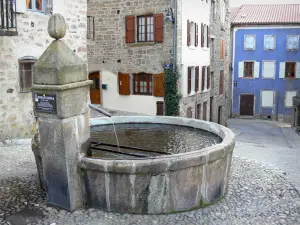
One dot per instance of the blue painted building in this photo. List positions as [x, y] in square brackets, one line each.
[265, 60]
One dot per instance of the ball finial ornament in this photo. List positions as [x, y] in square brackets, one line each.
[57, 26]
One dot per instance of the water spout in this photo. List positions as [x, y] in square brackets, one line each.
[99, 110]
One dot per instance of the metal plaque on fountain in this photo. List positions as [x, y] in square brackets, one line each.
[45, 103]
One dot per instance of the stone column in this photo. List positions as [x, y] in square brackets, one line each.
[61, 96]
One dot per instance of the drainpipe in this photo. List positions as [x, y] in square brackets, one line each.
[175, 36]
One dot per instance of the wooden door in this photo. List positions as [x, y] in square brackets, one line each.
[220, 115]
[95, 90]
[204, 111]
[246, 105]
[160, 108]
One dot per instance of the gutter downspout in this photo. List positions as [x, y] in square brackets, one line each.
[175, 37]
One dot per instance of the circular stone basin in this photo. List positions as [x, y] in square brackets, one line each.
[178, 164]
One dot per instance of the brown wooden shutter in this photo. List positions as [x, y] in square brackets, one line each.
[202, 35]
[189, 79]
[124, 83]
[196, 35]
[159, 28]
[208, 77]
[159, 80]
[197, 79]
[159, 108]
[203, 78]
[208, 36]
[130, 29]
[188, 33]
[221, 82]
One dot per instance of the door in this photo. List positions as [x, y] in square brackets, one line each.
[198, 114]
[95, 88]
[211, 109]
[220, 115]
[204, 111]
[159, 108]
[246, 105]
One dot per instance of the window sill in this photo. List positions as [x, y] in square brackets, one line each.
[205, 48]
[270, 50]
[289, 78]
[140, 44]
[35, 11]
[292, 50]
[192, 47]
[249, 78]
[143, 94]
[268, 78]
[249, 49]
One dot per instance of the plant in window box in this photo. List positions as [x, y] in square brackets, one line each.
[172, 96]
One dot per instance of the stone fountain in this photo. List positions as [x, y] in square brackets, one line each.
[78, 171]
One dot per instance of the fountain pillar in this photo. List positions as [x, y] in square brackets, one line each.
[61, 96]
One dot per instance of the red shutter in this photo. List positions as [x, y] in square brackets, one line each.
[196, 34]
[130, 29]
[203, 78]
[202, 35]
[208, 36]
[189, 79]
[197, 79]
[188, 34]
[159, 28]
[159, 80]
[208, 77]
[124, 84]
[221, 82]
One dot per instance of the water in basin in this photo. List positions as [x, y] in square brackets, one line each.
[154, 137]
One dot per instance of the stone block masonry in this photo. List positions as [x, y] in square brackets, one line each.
[16, 115]
[108, 51]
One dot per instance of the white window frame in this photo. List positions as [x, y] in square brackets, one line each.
[192, 34]
[33, 7]
[269, 49]
[261, 98]
[285, 98]
[263, 73]
[245, 41]
[294, 49]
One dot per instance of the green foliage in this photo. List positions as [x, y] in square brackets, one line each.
[172, 96]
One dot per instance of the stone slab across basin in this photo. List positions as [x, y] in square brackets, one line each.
[164, 184]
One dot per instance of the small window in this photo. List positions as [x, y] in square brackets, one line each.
[192, 30]
[212, 47]
[290, 69]
[223, 12]
[205, 35]
[289, 98]
[35, 5]
[213, 9]
[143, 84]
[145, 28]
[249, 42]
[248, 69]
[90, 28]
[292, 43]
[26, 67]
[270, 42]
[221, 83]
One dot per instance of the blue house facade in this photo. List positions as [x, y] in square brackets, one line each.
[266, 71]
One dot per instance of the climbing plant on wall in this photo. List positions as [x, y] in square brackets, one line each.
[172, 96]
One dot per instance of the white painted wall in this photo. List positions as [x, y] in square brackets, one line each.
[131, 103]
[196, 11]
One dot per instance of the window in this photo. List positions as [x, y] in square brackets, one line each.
[289, 98]
[212, 48]
[35, 5]
[292, 43]
[267, 98]
[270, 42]
[142, 84]
[26, 67]
[249, 42]
[213, 9]
[204, 111]
[268, 69]
[222, 50]
[149, 28]
[221, 82]
[145, 29]
[208, 77]
[248, 69]
[198, 114]
[222, 13]
[290, 69]
[90, 28]
[192, 34]
[205, 35]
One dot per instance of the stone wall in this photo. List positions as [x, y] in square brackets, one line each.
[219, 32]
[16, 109]
[109, 51]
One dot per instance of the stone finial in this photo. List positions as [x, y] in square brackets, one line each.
[57, 26]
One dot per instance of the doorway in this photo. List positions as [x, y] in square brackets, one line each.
[247, 105]
[95, 91]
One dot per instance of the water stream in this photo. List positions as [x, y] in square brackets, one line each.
[114, 127]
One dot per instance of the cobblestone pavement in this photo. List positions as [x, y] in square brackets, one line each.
[257, 194]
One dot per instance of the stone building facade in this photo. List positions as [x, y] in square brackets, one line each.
[111, 53]
[16, 109]
[220, 41]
